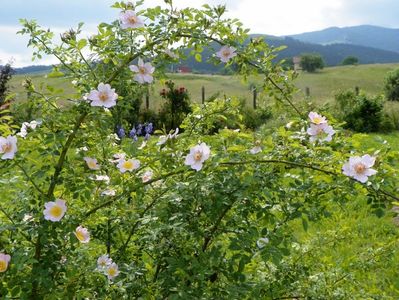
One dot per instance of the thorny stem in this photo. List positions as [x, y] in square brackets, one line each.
[15, 225]
[30, 179]
[125, 194]
[137, 224]
[50, 195]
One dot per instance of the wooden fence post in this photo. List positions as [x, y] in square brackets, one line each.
[203, 94]
[307, 90]
[357, 90]
[255, 95]
[147, 100]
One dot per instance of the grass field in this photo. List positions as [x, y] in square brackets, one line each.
[323, 85]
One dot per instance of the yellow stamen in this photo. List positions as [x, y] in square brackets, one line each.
[128, 165]
[197, 156]
[142, 70]
[226, 53]
[56, 211]
[7, 147]
[111, 272]
[317, 120]
[360, 168]
[92, 164]
[3, 265]
[103, 96]
[79, 234]
[132, 20]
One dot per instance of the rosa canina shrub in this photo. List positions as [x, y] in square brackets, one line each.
[186, 216]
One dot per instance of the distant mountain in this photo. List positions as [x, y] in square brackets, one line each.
[333, 54]
[363, 35]
[33, 69]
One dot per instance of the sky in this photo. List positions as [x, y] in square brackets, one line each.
[277, 17]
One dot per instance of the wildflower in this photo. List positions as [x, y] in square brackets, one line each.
[139, 129]
[54, 211]
[144, 72]
[120, 132]
[147, 176]
[148, 128]
[92, 163]
[171, 54]
[82, 234]
[317, 119]
[4, 261]
[8, 147]
[147, 136]
[226, 53]
[129, 19]
[109, 192]
[197, 156]
[104, 96]
[321, 132]
[104, 178]
[128, 165]
[25, 125]
[164, 138]
[103, 261]
[112, 271]
[27, 218]
[257, 147]
[359, 168]
[132, 133]
[262, 242]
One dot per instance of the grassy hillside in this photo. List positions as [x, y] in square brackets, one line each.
[323, 85]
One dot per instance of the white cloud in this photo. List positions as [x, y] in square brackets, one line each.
[280, 17]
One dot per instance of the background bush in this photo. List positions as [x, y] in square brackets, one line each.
[391, 85]
[362, 113]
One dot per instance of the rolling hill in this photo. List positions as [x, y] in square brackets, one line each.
[363, 35]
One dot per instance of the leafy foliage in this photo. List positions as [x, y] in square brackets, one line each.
[362, 113]
[310, 62]
[350, 60]
[391, 85]
[176, 106]
[179, 233]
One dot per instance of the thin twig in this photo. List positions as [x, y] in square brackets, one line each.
[30, 179]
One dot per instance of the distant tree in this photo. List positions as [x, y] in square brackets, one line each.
[391, 85]
[288, 63]
[350, 60]
[6, 73]
[310, 62]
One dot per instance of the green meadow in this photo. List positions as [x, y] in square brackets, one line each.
[322, 85]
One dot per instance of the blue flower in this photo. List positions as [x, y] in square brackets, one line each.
[147, 136]
[149, 128]
[120, 132]
[139, 129]
[132, 133]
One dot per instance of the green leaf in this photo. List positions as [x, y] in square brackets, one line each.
[198, 57]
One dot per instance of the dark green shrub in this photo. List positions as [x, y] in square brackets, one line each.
[350, 60]
[362, 113]
[310, 62]
[6, 73]
[391, 85]
[254, 118]
[176, 105]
